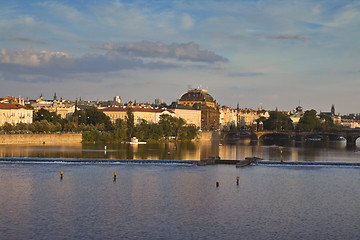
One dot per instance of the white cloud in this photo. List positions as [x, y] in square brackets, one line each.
[28, 57]
[186, 21]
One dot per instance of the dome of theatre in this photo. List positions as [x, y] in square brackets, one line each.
[197, 96]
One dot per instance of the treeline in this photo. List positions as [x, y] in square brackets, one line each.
[168, 128]
[97, 127]
[309, 122]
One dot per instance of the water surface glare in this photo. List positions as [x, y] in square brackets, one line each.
[164, 201]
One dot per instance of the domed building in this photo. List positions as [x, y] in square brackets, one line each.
[202, 100]
[197, 96]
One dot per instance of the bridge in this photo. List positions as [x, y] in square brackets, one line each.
[351, 135]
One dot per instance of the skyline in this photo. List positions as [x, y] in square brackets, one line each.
[274, 53]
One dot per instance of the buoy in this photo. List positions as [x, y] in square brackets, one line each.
[61, 175]
[114, 176]
[237, 180]
[217, 184]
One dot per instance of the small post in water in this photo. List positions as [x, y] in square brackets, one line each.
[61, 175]
[114, 176]
[237, 180]
[217, 184]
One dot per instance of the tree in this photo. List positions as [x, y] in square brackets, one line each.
[188, 132]
[130, 123]
[50, 117]
[165, 124]
[172, 126]
[7, 127]
[96, 118]
[120, 130]
[278, 121]
[327, 123]
[309, 122]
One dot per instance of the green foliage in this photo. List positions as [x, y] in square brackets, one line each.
[130, 125]
[172, 126]
[120, 131]
[50, 117]
[91, 136]
[188, 132]
[97, 118]
[277, 121]
[309, 122]
[7, 127]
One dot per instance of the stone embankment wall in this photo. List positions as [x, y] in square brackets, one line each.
[55, 138]
[209, 136]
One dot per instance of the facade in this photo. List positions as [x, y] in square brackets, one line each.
[200, 99]
[298, 114]
[150, 115]
[350, 123]
[228, 117]
[189, 114]
[247, 116]
[210, 118]
[64, 109]
[14, 114]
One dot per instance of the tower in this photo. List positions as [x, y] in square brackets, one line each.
[332, 110]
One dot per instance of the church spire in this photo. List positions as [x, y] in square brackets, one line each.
[333, 110]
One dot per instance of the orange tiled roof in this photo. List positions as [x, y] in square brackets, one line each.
[10, 106]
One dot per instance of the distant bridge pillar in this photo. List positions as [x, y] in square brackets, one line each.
[299, 138]
[350, 141]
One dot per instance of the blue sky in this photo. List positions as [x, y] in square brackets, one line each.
[274, 53]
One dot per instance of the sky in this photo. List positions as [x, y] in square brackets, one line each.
[277, 54]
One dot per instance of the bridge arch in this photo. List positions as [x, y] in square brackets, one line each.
[351, 135]
[275, 136]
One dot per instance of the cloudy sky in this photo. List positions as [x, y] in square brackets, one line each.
[274, 53]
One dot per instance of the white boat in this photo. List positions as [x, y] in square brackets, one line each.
[134, 140]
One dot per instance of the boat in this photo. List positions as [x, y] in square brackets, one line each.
[134, 140]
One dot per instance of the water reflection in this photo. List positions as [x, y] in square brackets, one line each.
[274, 151]
[178, 202]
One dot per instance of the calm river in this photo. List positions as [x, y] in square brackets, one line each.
[178, 200]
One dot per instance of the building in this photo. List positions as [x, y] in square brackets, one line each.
[189, 114]
[298, 114]
[65, 109]
[228, 117]
[150, 115]
[14, 114]
[201, 100]
[350, 123]
[336, 118]
[247, 116]
[197, 96]
[15, 100]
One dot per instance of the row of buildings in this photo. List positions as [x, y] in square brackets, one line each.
[196, 106]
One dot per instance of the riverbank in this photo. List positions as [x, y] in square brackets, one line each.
[42, 138]
[70, 138]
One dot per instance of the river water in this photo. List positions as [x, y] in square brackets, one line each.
[165, 200]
